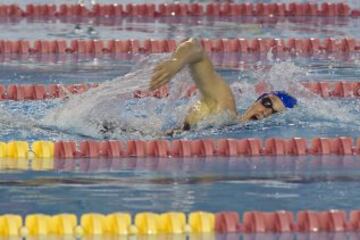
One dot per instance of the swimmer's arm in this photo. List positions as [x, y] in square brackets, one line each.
[188, 52]
[211, 85]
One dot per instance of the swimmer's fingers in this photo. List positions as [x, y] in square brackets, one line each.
[154, 80]
[164, 72]
[158, 82]
[157, 74]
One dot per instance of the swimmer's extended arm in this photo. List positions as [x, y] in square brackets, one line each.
[188, 52]
[214, 90]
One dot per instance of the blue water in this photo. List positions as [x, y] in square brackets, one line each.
[135, 185]
[179, 27]
[302, 122]
[67, 69]
[160, 184]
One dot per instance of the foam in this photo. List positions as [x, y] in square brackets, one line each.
[151, 117]
[112, 102]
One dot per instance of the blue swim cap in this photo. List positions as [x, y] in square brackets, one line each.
[288, 100]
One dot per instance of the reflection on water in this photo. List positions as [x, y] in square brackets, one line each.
[245, 165]
[179, 184]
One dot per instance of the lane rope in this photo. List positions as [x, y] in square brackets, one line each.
[252, 147]
[178, 222]
[22, 92]
[306, 46]
[182, 9]
[189, 21]
[150, 223]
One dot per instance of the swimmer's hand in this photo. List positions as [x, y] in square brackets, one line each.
[163, 73]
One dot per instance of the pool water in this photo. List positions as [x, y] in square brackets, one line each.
[160, 185]
[187, 184]
[179, 27]
[303, 122]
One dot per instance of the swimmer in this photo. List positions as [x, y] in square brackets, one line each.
[216, 95]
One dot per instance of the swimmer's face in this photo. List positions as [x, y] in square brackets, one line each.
[264, 107]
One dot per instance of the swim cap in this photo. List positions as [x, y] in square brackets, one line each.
[288, 100]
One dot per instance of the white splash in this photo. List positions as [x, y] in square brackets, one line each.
[111, 103]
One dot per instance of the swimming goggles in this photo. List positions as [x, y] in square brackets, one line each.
[267, 103]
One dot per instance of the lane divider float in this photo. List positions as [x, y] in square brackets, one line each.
[334, 89]
[181, 9]
[22, 92]
[189, 21]
[300, 164]
[150, 223]
[306, 46]
[179, 148]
